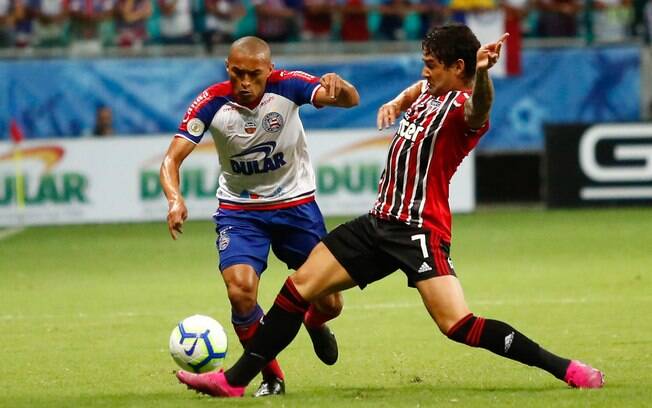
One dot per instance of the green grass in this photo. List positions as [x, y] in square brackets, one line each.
[86, 311]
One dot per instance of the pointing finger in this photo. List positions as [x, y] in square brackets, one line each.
[502, 38]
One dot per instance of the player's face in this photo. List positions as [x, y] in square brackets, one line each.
[248, 75]
[441, 79]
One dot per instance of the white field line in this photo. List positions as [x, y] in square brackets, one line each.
[373, 306]
[10, 232]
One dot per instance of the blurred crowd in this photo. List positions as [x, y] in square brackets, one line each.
[93, 24]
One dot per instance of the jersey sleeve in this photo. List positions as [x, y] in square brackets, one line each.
[298, 86]
[201, 111]
[458, 116]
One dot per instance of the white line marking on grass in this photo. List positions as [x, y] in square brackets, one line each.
[10, 232]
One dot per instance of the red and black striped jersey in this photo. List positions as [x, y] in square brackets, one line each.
[430, 143]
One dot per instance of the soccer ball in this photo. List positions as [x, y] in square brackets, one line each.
[198, 344]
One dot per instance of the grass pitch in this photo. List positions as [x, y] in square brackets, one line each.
[86, 311]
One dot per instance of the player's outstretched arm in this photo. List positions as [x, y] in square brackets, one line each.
[478, 106]
[169, 175]
[335, 91]
[388, 113]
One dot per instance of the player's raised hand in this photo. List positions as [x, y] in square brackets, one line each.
[488, 54]
[177, 214]
[387, 115]
[332, 83]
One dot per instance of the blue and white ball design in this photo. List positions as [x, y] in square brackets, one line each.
[198, 344]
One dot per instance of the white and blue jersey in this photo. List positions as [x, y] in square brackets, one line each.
[267, 184]
[262, 150]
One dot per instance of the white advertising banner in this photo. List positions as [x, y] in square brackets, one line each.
[70, 181]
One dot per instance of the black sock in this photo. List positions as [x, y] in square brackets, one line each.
[277, 329]
[504, 340]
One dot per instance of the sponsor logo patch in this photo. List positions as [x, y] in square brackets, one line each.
[195, 104]
[196, 127]
[257, 159]
[424, 268]
[250, 127]
[297, 74]
[508, 341]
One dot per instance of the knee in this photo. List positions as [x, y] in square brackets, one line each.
[242, 296]
[300, 278]
[447, 324]
[304, 285]
[331, 304]
[463, 330]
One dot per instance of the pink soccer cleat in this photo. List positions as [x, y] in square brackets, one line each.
[580, 375]
[213, 383]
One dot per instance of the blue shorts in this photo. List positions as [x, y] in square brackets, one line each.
[245, 236]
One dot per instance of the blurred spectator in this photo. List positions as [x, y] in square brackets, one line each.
[354, 24]
[86, 21]
[222, 17]
[176, 21]
[103, 121]
[131, 22]
[7, 11]
[392, 15]
[318, 16]
[611, 19]
[23, 27]
[51, 22]
[431, 13]
[557, 18]
[277, 20]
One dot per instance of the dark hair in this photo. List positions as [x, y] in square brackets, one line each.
[451, 42]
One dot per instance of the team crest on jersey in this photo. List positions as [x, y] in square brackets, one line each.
[273, 122]
[224, 239]
[434, 103]
[250, 127]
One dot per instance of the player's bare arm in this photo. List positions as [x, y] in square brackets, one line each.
[335, 91]
[476, 108]
[169, 175]
[388, 113]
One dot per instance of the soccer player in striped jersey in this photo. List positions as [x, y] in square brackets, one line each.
[409, 226]
[267, 185]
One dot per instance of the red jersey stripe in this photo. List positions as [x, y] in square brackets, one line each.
[270, 206]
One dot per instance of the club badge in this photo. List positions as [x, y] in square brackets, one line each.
[223, 240]
[273, 122]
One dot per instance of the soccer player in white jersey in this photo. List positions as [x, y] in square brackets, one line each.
[267, 186]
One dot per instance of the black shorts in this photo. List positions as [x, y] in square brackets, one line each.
[370, 249]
